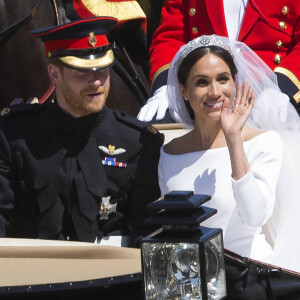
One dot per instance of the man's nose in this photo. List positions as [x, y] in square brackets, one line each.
[95, 78]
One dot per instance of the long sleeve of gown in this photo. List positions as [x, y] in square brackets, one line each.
[255, 192]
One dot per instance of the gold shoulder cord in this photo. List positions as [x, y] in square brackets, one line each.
[124, 10]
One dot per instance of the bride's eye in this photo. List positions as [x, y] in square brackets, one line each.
[223, 79]
[201, 82]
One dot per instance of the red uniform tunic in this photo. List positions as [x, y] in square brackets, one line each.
[270, 28]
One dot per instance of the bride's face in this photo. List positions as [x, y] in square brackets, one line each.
[208, 83]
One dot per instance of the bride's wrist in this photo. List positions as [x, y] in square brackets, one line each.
[233, 139]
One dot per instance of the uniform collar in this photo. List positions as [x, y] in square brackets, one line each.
[81, 125]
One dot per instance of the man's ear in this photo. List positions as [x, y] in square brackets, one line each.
[54, 73]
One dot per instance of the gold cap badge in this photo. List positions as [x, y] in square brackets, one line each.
[92, 39]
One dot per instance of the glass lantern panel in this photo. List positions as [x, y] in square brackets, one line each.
[171, 271]
[215, 268]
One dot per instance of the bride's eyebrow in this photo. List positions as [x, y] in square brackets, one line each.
[224, 73]
[205, 76]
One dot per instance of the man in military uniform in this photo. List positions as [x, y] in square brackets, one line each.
[270, 29]
[73, 169]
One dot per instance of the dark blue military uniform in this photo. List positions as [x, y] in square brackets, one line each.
[75, 178]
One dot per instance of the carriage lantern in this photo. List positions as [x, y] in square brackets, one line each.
[183, 260]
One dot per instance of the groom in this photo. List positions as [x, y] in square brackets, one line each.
[73, 169]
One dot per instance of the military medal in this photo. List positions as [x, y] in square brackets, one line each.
[106, 208]
[111, 161]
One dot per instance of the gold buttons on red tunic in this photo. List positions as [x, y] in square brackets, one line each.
[279, 44]
[192, 11]
[195, 30]
[282, 25]
[277, 59]
[285, 10]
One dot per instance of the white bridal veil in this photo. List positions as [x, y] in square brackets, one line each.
[272, 111]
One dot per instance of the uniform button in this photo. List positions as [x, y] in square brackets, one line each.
[282, 25]
[285, 10]
[152, 129]
[195, 30]
[277, 59]
[5, 111]
[192, 11]
[279, 44]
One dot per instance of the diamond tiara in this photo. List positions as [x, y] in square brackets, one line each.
[202, 41]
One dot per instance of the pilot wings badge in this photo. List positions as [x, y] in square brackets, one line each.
[111, 150]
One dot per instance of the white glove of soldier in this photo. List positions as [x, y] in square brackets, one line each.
[157, 104]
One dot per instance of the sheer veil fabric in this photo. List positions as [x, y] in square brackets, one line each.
[272, 111]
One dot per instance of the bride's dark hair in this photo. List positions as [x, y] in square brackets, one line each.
[195, 55]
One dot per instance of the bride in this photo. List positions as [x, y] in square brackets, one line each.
[241, 151]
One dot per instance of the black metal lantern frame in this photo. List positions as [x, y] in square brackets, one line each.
[183, 260]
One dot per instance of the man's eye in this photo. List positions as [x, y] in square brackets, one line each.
[79, 72]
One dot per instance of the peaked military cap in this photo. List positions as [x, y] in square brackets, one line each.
[81, 44]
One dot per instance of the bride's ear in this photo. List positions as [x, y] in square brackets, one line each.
[182, 90]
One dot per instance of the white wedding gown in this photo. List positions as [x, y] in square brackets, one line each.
[244, 205]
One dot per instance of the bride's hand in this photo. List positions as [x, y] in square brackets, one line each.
[233, 122]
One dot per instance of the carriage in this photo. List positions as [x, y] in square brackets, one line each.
[44, 269]
[60, 270]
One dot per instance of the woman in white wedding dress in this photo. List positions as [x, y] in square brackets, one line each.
[238, 148]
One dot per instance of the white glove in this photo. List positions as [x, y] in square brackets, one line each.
[158, 104]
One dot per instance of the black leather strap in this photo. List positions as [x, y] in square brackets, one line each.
[128, 66]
